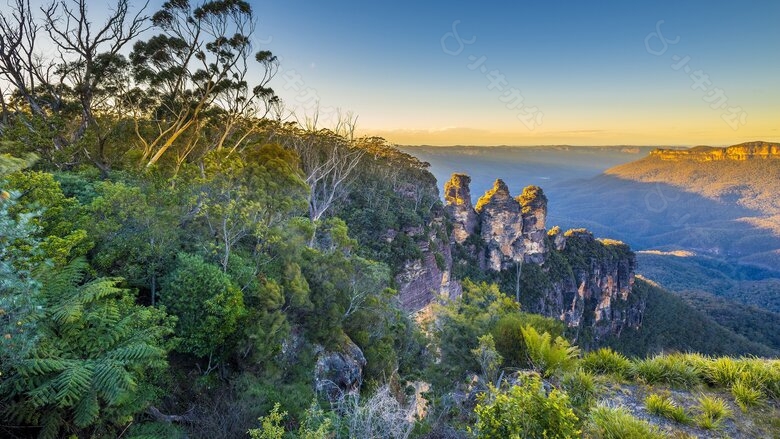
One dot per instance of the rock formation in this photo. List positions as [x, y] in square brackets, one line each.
[340, 372]
[457, 198]
[501, 227]
[533, 206]
[583, 281]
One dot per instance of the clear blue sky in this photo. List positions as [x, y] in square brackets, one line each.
[584, 66]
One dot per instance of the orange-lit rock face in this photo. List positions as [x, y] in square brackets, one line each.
[457, 198]
[741, 152]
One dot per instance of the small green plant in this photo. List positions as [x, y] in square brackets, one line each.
[270, 425]
[712, 412]
[606, 361]
[662, 405]
[745, 395]
[547, 356]
[618, 423]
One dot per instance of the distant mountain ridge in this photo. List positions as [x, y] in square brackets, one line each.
[741, 152]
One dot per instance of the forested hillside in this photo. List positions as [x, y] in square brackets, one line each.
[177, 259]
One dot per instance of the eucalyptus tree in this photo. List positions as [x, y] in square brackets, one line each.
[194, 79]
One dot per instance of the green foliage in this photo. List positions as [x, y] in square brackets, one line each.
[606, 361]
[316, 423]
[662, 405]
[208, 305]
[461, 322]
[133, 227]
[547, 356]
[723, 371]
[618, 423]
[246, 195]
[488, 358]
[60, 238]
[525, 410]
[745, 395]
[90, 365]
[272, 427]
[18, 299]
[509, 336]
[712, 412]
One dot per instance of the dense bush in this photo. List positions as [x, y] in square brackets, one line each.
[525, 410]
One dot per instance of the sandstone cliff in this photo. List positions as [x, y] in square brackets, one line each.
[424, 280]
[741, 152]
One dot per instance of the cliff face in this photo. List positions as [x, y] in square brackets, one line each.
[572, 276]
[601, 296]
[741, 152]
[423, 281]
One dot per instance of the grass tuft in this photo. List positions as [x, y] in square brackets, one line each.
[606, 361]
[618, 423]
[663, 369]
[745, 395]
[713, 411]
[662, 405]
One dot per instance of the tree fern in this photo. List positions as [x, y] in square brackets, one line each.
[95, 346]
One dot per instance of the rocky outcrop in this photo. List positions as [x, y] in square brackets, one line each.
[572, 276]
[501, 226]
[603, 273]
[457, 199]
[533, 205]
[741, 152]
[339, 372]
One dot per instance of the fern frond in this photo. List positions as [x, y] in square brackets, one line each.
[86, 411]
[73, 383]
[41, 366]
[50, 424]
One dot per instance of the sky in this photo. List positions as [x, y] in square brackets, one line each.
[522, 73]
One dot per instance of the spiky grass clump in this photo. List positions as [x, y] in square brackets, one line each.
[712, 412]
[582, 388]
[606, 361]
[723, 371]
[662, 405]
[618, 423]
[763, 375]
[745, 395]
[664, 369]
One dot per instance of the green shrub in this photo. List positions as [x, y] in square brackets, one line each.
[525, 410]
[666, 370]
[745, 395]
[618, 423]
[662, 405]
[508, 334]
[271, 425]
[606, 361]
[547, 356]
[713, 411]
